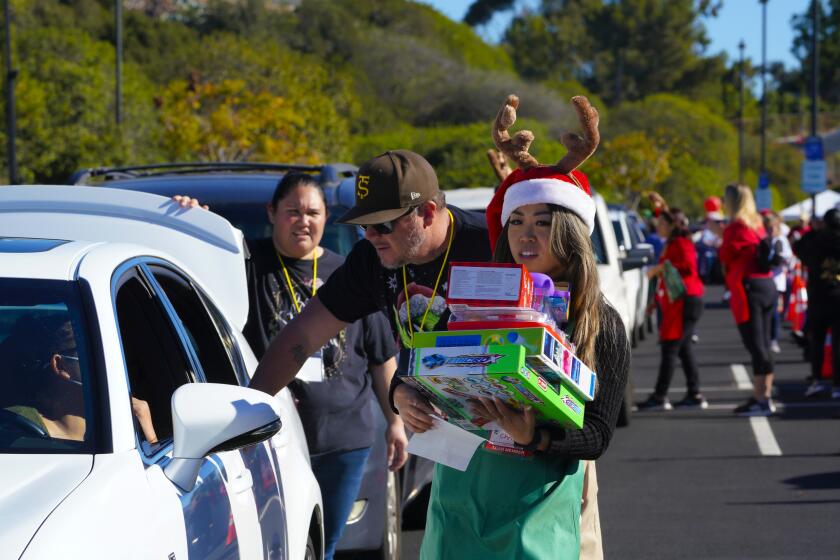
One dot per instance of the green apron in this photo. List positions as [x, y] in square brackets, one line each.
[505, 507]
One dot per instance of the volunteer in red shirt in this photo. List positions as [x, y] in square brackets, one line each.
[679, 317]
[753, 293]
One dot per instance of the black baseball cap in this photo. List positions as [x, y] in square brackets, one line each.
[389, 184]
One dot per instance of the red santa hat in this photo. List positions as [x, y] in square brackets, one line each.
[538, 185]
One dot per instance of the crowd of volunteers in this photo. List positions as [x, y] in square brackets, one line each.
[361, 315]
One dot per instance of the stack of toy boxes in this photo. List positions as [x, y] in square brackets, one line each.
[498, 345]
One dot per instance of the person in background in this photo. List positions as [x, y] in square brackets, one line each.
[773, 226]
[753, 293]
[680, 317]
[819, 250]
[284, 274]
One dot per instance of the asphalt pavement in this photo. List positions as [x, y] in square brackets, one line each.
[705, 484]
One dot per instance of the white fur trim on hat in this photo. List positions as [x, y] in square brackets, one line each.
[550, 191]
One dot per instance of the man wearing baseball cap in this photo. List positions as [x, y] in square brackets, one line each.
[400, 268]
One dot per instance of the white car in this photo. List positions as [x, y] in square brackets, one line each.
[126, 429]
[632, 249]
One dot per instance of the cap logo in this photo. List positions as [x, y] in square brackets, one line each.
[362, 189]
[415, 195]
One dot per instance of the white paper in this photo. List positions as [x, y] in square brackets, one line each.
[312, 371]
[446, 444]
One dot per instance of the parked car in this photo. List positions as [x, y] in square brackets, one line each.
[126, 426]
[239, 193]
[631, 244]
[611, 264]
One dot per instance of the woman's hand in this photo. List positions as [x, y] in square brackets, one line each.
[185, 201]
[414, 409]
[518, 425]
[655, 270]
[397, 444]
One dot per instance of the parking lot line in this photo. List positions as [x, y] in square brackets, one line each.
[767, 443]
[742, 380]
[706, 389]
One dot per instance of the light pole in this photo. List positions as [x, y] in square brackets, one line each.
[815, 26]
[119, 48]
[741, 47]
[11, 75]
[763, 87]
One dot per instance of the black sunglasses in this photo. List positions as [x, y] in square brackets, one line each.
[387, 228]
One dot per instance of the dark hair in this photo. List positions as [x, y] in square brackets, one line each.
[291, 181]
[832, 220]
[678, 219]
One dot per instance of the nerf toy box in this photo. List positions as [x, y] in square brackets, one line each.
[545, 353]
[489, 284]
[451, 377]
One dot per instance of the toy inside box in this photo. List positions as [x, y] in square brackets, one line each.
[545, 353]
[453, 376]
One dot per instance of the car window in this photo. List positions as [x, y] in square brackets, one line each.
[214, 357]
[619, 233]
[598, 244]
[155, 361]
[45, 369]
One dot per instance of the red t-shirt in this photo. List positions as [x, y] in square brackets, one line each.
[682, 255]
[738, 254]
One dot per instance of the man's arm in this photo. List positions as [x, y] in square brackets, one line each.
[288, 351]
[395, 432]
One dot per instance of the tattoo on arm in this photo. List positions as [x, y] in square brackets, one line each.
[298, 354]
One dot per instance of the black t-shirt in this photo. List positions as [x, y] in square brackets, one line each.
[335, 413]
[362, 285]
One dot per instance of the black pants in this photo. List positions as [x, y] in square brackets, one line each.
[825, 315]
[692, 310]
[755, 333]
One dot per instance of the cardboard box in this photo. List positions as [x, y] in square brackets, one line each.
[545, 353]
[489, 284]
[453, 376]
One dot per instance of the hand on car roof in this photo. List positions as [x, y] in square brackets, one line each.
[186, 201]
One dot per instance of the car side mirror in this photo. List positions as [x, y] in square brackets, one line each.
[212, 417]
[637, 257]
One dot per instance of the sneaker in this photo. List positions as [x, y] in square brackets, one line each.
[695, 339]
[693, 401]
[755, 408]
[774, 347]
[835, 393]
[817, 388]
[655, 403]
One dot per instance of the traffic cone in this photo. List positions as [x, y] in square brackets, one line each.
[798, 304]
[827, 372]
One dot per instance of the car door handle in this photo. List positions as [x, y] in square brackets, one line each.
[242, 482]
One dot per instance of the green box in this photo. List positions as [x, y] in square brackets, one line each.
[453, 376]
[544, 352]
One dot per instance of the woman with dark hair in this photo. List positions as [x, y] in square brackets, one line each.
[528, 505]
[679, 316]
[333, 393]
[819, 250]
[753, 293]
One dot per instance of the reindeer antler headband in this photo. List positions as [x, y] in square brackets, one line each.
[516, 147]
[532, 183]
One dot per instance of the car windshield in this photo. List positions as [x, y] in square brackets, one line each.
[45, 381]
[252, 220]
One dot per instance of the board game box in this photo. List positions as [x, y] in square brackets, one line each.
[545, 353]
[489, 284]
[451, 377]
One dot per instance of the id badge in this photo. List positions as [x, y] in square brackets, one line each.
[313, 369]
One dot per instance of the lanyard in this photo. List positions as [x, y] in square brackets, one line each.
[437, 283]
[289, 280]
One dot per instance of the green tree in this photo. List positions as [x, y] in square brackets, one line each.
[829, 47]
[65, 106]
[627, 166]
[229, 122]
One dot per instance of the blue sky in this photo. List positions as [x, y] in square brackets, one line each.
[739, 19]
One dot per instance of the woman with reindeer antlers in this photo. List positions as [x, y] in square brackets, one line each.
[508, 506]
